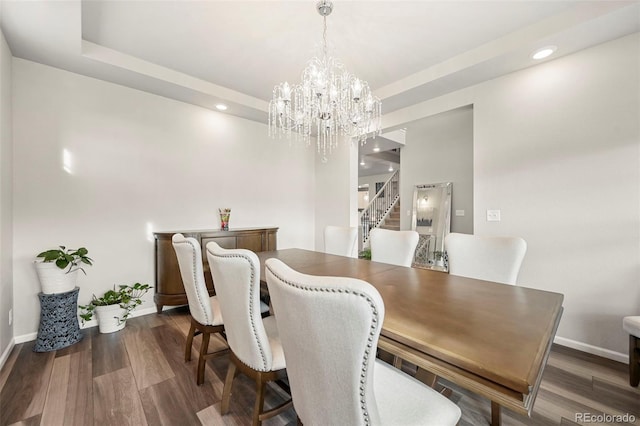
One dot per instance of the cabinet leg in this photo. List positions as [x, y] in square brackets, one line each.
[159, 308]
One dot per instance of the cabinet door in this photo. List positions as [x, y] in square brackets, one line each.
[224, 242]
[168, 278]
[272, 241]
[251, 242]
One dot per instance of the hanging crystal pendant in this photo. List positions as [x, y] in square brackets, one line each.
[329, 103]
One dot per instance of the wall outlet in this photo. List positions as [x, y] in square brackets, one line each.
[493, 215]
[459, 212]
[408, 212]
[10, 316]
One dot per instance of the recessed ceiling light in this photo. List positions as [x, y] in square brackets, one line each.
[390, 168]
[543, 52]
[376, 149]
[221, 107]
[362, 163]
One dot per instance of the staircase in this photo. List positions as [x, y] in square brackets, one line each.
[383, 209]
[393, 220]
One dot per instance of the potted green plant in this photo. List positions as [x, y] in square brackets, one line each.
[114, 306]
[365, 254]
[58, 270]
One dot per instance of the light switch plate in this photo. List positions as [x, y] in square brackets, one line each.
[459, 212]
[493, 215]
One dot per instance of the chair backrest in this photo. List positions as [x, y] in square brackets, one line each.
[189, 257]
[486, 258]
[340, 240]
[329, 329]
[395, 247]
[236, 276]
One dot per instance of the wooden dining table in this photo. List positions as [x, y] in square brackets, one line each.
[489, 338]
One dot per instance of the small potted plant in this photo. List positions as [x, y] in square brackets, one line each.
[365, 254]
[114, 306]
[58, 270]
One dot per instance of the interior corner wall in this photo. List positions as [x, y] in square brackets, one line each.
[6, 198]
[557, 150]
[102, 166]
[439, 149]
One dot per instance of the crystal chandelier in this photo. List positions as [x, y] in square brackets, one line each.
[329, 103]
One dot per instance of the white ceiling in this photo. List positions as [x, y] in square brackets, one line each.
[206, 52]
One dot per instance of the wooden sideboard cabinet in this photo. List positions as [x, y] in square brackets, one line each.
[169, 289]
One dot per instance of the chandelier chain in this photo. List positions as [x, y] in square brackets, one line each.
[324, 38]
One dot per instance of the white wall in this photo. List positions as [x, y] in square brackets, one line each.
[439, 149]
[557, 150]
[138, 159]
[336, 190]
[6, 200]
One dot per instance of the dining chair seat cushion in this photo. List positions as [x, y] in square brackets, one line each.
[632, 325]
[402, 400]
[277, 353]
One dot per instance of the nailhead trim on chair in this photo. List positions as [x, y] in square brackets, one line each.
[365, 357]
[253, 325]
[195, 280]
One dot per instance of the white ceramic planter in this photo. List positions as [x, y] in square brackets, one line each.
[108, 318]
[55, 280]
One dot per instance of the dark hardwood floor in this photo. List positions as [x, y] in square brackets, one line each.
[138, 376]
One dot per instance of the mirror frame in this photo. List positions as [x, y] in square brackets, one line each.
[430, 252]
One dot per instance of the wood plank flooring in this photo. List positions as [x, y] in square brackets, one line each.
[138, 377]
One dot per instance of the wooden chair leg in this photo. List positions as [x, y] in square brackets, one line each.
[496, 418]
[426, 377]
[226, 391]
[202, 359]
[634, 360]
[257, 409]
[187, 349]
[397, 362]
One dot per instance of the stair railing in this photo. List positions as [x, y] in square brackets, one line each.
[379, 208]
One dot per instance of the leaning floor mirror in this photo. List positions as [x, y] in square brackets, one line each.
[432, 221]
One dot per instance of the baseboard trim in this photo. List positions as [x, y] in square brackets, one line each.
[93, 323]
[593, 350]
[26, 337]
[7, 351]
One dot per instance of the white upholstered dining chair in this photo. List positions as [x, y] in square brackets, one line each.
[206, 317]
[632, 326]
[394, 247]
[333, 372]
[341, 240]
[485, 258]
[255, 345]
